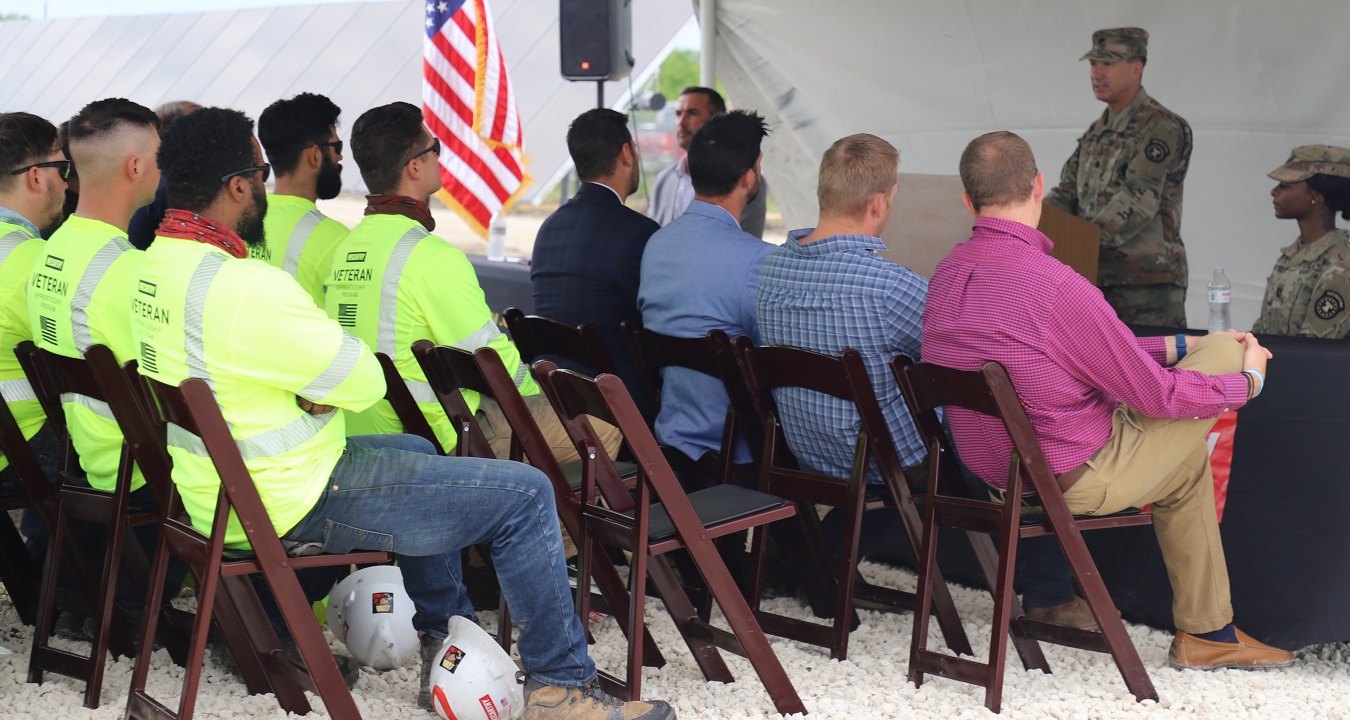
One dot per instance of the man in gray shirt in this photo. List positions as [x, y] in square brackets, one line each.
[672, 191]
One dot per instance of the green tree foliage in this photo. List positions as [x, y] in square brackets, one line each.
[8, 16]
[679, 71]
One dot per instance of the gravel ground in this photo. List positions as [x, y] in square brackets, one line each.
[871, 684]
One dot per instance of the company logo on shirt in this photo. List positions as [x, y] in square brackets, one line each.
[356, 257]
[55, 263]
[347, 314]
[147, 288]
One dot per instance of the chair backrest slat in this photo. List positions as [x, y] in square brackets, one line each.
[405, 406]
[450, 371]
[537, 337]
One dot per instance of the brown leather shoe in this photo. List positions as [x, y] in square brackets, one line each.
[1074, 613]
[1192, 653]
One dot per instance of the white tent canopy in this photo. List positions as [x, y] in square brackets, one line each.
[1253, 79]
[360, 54]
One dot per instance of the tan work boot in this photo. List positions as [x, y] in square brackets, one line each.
[1074, 613]
[1192, 653]
[546, 702]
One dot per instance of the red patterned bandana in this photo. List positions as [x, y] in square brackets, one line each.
[401, 205]
[191, 226]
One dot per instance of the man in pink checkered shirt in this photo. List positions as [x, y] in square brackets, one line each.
[1122, 420]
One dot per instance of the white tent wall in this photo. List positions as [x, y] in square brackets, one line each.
[1253, 79]
[359, 54]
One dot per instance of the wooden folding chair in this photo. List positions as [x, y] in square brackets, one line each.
[405, 406]
[19, 573]
[844, 377]
[539, 337]
[708, 355]
[662, 518]
[192, 407]
[947, 503]
[450, 371]
[54, 376]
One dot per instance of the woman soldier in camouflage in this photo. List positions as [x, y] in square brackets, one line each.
[1309, 288]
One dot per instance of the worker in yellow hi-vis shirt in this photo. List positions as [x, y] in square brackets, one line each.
[300, 137]
[394, 283]
[81, 286]
[280, 369]
[33, 174]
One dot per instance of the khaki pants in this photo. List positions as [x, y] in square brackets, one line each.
[1166, 463]
[498, 431]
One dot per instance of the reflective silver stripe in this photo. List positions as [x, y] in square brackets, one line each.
[522, 374]
[269, 444]
[299, 236]
[16, 390]
[338, 370]
[480, 337]
[193, 312]
[420, 391]
[388, 339]
[9, 242]
[98, 406]
[84, 291]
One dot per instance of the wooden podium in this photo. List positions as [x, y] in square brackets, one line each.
[1077, 241]
[929, 219]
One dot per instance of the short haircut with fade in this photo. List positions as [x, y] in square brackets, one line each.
[383, 141]
[201, 148]
[102, 116]
[853, 171]
[715, 99]
[289, 127]
[595, 140]
[25, 139]
[998, 168]
[724, 149]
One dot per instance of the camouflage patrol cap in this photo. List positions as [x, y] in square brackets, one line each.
[1309, 160]
[1116, 44]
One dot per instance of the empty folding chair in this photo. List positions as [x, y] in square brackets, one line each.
[658, 519]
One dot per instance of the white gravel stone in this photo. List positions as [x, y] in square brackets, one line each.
[870, 684]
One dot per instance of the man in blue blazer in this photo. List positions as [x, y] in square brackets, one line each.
[588, 254]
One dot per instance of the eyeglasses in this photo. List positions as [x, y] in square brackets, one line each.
[435, 149]
[335, 144]
[266, 169]
[62, 166]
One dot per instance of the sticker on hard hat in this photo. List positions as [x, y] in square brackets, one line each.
[382, 602]
[450, 661]
[489, 708]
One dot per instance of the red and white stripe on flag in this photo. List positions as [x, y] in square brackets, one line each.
[469, 105]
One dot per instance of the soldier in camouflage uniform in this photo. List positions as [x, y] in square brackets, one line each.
[1125, 178]
[1309, 288]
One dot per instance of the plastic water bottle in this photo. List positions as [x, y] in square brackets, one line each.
[1220, 300]
[496, 250]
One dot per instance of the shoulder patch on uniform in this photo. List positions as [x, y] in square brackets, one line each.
[1157, 150]
[1329, 305]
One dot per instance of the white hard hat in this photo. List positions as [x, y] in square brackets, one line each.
[371, 613]
[474, 678]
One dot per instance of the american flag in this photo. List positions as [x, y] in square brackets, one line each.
[468, 104]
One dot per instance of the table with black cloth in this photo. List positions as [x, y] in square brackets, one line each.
[505, 284]
[1285, 528]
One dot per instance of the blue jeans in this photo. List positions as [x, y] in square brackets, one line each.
[393, 493]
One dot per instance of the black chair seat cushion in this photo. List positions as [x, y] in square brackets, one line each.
[715, 505]
[573, 469]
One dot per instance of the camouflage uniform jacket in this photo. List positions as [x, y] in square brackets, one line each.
[1307, 291]
[1125, 178]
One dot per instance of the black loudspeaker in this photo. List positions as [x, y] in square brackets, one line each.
[596, 39]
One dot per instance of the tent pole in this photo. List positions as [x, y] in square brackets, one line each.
[707, 23]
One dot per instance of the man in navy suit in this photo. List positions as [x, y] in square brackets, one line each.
[587, 255]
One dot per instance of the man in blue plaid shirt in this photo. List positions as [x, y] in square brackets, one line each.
[827, 289]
